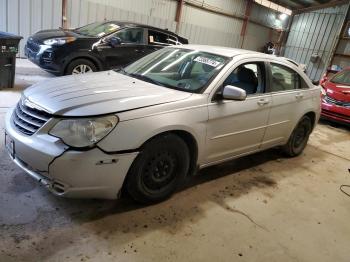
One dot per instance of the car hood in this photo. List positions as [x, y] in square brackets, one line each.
[339, 92]
[98, 94]
[54, 33]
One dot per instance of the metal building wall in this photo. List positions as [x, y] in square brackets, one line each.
[203, 27]
[24, 17]
[315, 33]
[198, 25]
[159, 13]
[267, 17]
[342, 53]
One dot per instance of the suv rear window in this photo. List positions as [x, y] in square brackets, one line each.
[158, 38]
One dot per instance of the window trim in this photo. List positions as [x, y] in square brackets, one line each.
[283, 91]
[213, 93]
[159, 43]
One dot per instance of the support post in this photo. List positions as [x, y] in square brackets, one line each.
[64, 14]
[180, 4]
[248, 10]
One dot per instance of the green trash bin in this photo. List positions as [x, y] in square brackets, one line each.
[8, 50]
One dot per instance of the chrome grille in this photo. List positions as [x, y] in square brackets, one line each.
[28, 120]
[336, 102]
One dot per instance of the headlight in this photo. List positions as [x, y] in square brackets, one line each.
[323, 91]
[84, 132]
[59, 41]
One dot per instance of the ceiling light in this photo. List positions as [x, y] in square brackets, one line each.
[283, 16]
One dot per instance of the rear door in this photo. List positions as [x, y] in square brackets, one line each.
[291, 96]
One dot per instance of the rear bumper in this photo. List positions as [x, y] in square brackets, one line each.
[335, 113]
[65, 172]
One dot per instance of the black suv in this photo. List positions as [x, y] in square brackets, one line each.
[96, 47]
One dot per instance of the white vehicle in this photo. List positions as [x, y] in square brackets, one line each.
[146, 127]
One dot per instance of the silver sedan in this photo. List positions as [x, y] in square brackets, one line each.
[145, 127]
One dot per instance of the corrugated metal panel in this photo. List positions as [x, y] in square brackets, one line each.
[267, 17]
[228, 6]
[315, 33]
[24, 17]
[160, 13]
[215, 29]
[257, 36]
[343, 49]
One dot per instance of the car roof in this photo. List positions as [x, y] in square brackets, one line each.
[228, 51]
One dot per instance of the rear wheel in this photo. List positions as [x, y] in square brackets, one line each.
[299, 138]
[159, 169]
[80, 66]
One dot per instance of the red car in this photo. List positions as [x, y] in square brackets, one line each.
[336, 97]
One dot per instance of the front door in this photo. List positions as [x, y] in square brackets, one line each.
[238, 127]
[132, 48]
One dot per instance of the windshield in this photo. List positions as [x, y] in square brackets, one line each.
[177, 68]
[342, 78]
[97, 29]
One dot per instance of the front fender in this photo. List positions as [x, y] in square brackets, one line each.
[132, 134]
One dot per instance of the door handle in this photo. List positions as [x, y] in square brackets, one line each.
[299, 96]
[262, 102]
[8, 65]
[138, 50]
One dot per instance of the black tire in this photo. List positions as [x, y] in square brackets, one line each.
[80, 62]
[158, 170]
[299, 137]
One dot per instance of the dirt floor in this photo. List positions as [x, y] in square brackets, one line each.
[259, 208]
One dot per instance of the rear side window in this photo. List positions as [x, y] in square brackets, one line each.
[284, 78]
[158, 38]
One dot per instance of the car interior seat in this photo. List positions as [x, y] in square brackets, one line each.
[247, 80]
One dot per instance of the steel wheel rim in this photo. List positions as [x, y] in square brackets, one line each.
[159, 172]
[81, 69]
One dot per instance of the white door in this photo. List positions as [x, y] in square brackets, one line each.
[290, 98]
[238, 127]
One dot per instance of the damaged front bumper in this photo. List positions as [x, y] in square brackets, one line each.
[65, 172]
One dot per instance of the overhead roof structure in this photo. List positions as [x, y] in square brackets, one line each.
[302, 4]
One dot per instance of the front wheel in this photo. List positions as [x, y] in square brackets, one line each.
[159, 169]
[299, 138]
[80, 66]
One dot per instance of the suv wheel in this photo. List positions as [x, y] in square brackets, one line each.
[298, 139]
[80, 66]
[159, 169]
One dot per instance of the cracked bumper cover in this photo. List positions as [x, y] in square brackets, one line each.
[65, 172]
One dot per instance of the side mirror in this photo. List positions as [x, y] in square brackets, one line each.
[234, 93]
[315, 82]
[114, 41]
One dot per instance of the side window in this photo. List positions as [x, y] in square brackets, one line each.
[303, 84]
[250, 77]
[172, 40]
[284, 78]
[130, 35]
[158, 38]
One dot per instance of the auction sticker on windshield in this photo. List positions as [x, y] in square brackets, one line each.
[207, 61]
